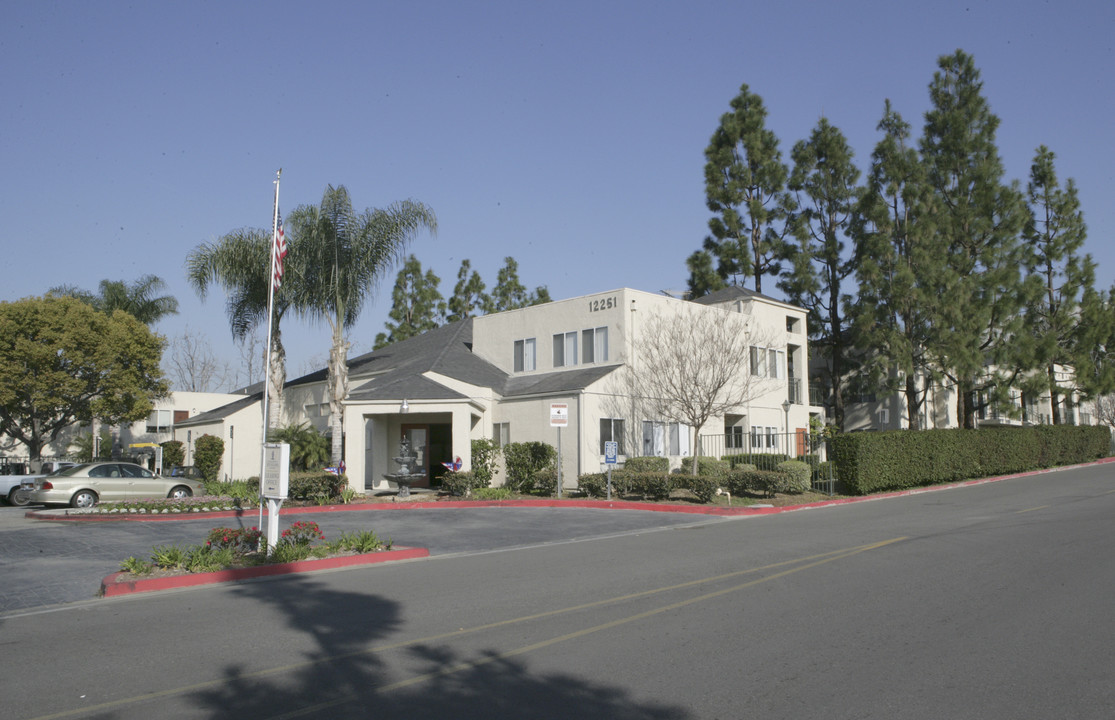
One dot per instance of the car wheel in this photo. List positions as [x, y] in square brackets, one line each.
[179, 492]
[83, 499]
[19, 497]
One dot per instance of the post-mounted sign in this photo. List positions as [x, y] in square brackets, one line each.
[559, 415]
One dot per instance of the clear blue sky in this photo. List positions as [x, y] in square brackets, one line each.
[569, 135]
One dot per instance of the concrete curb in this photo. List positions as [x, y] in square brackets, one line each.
[116, 585]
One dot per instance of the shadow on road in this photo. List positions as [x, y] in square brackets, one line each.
[336, 677]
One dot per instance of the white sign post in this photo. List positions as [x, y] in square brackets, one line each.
[275, 486]
[611, 453]
[559, 418]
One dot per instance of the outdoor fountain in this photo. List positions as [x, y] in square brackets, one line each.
[407, 473]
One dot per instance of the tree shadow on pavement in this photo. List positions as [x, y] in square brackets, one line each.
[336, 675]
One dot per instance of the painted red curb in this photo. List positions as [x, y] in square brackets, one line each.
[114, 585]
[550, 502]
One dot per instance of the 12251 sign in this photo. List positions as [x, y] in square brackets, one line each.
[602, 304]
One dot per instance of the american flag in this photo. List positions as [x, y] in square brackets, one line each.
[279, 252]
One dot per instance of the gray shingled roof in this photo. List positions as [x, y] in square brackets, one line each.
[396, 372]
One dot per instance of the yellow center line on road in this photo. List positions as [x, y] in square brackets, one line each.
[1039, 507]
[804, 563]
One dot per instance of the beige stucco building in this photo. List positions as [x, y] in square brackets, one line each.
[499, 376]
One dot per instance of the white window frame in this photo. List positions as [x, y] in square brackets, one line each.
[565, 349]
[615, 433]
[501, 433]
[525, 355]
[594, 345]
[155, 422]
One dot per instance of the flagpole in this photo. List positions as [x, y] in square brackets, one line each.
[267, 362]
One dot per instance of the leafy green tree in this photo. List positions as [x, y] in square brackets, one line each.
[240, 263]
[309, 449]
[63, 362]
[744, 182]
[139, 299]
[898, 260]
[209, 451]
[703, 277]
[1054, 234]
[510, 294]
[824, 181]
[345, 254]
[485, 456]
[979, 343]
[469, 297]
[417, 305]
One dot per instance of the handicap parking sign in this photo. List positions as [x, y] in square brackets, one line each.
[611, 450]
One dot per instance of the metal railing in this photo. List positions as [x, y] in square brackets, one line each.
[766, 450]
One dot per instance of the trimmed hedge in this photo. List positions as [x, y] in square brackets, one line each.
[315, 485]
[799, 475]
[901, 459]
[646, 464]
[767, 482]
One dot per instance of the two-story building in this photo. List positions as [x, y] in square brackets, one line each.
[500, 376]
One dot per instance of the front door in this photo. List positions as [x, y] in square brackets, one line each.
[418, 437]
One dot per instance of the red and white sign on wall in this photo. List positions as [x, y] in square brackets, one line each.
[559, 415]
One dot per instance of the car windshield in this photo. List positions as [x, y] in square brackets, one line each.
[71, 470]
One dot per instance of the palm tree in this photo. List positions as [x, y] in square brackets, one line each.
[138, 299]
[240, 262]
[344, 255]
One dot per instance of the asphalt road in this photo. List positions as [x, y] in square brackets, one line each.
[991, 601]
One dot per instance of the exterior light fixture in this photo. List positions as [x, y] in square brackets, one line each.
[404, 408]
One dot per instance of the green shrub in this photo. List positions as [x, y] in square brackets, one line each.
[524, 460]
[239, 540]
[316, 486]
[593, 484]
[493, 493]
[647, 464]
[485, 455]
[799, 476]
[702, 486]
[462, 482]
[765, 482]
[900, 459]
[174, 454]
[762, 461]
[361, 542]
[544, 481]
[208, 451]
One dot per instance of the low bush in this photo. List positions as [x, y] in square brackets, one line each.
[240, 540]
[462, 483]
[762, 461]
[765, 482]
[594, 484]
[485, 456]
[316, 486]
[544, 482]
[493, 493]
[647, 464]
[703, 487]
[799, 476]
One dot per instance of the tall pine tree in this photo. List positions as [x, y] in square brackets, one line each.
[898, 260]
[510, 294]
[1063, 318]
[416, 304]
[979, 342]
[469, 298]
[744, 182]
[824, 183]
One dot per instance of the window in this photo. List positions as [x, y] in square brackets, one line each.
[611, 430]
[565, 349]
[524, 355]
[595, 345]
[733, 437]
[764, 438]
[884, 417]
[159, 421]
[792, 324]
[662, 438]
[766, 362]
[501, 433]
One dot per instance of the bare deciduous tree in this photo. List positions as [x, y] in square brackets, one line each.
[693, 366]
[192, 366]
[252, 353]
[1104, 407]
